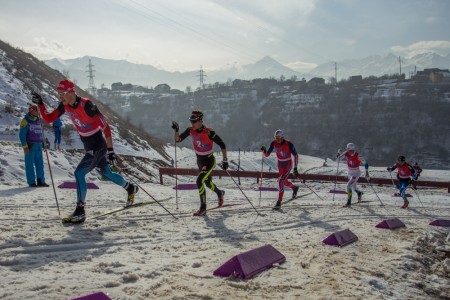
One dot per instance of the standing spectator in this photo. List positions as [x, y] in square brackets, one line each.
[284, 150]
[30, 135]
[203, 138]
[354, 160]
[57, 128]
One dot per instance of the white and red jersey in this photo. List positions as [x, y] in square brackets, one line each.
[354, 161]
[284, 151]
[203, 145]
[85, 116]
[404, 171]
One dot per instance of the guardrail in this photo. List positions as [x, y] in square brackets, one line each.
[312, 177]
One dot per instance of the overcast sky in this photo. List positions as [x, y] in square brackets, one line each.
[181, 35]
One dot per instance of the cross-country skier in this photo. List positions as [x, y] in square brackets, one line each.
[405, 175]
[92, 126]
[203, 138]
[284, 150]
[30, 135]
[354, 160]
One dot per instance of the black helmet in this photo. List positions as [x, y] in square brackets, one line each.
[196, 115]
[401, 158]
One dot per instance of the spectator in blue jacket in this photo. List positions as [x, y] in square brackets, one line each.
[57, 127]
[30, 135]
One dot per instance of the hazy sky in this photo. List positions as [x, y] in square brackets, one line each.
[184, 34]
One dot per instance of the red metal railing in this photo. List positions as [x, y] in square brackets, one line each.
[312, 177]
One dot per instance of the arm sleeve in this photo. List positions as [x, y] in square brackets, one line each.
[185, 134]
[269, 150]
[394, 167]
[364, 162]
[92, 111]
[216, 139]
[413, 171]
[294, 153]
[23, 133]
[50, 117]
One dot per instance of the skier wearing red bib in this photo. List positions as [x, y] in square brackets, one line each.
[405, 175]
[91, 126]
[203, 138]
[354, 160]
[284, 150]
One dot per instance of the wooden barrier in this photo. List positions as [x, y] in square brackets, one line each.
[312, 177]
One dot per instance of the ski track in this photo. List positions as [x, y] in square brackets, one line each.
[144, 253]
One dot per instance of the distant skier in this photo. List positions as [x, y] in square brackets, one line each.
[354, 160]
[405, 175]
[47, 144]
[91, 125]
[418, 170]
[203, 138]
[30, 135]
[57, 125]
[284, 150]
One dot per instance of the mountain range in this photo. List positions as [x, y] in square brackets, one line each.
[108, 71]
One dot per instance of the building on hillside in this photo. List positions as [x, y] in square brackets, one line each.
[433, 75]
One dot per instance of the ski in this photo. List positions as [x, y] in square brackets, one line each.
[223, 205]
[139, 204]
[296, 197]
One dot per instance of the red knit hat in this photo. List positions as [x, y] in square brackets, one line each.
[66, 86]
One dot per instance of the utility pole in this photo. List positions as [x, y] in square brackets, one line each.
[91, 87]
[400, 62]
[201, 76]
[335, 72]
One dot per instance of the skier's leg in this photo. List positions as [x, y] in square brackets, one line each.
[29, 167]
[39, 163]
[80, 173]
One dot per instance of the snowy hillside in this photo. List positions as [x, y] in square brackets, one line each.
[21, 74]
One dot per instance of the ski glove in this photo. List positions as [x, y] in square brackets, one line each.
[339, 153]
[37, 99]
[224, 164]
[296, 172]
[175, 126]
[263, 149]
[112, 157]
[389, 169]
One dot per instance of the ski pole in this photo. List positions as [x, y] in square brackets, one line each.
[48, 162]
[393, 183]
[260, 182]
[176, 174]
[368, 181]
[310, 189]
[259, 214]
[134, 181]
[335, 181]
[417, 194]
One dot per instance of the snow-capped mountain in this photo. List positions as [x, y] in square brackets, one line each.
[379, 65]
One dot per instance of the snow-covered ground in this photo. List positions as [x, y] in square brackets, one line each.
[145, 253]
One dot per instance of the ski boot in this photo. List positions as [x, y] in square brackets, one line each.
[277, 205]
[405, 204]
[220, 202]
[41, 184]
[132, 190]
[349, 203]
[359, 196]
[294, 192]
[201, 212]
[78, 216]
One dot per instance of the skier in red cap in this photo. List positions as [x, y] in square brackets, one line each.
[93, 129]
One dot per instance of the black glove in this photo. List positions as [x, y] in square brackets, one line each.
[175, 126]
[296, 172]
[225, 164]
[37, 99]
[389, 169]
[263, 149]
[338, 153]
[112, 157]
